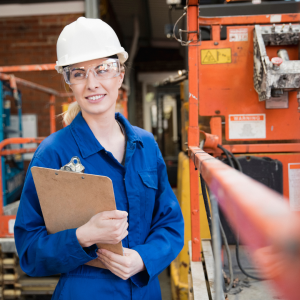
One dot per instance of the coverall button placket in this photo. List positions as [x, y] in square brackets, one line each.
[133, 199]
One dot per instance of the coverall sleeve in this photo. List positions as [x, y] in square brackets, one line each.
[166, 236]
[42, 254]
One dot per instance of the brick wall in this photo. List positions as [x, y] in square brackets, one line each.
[32, 40]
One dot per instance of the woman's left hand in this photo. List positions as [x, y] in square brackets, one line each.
[123, 266]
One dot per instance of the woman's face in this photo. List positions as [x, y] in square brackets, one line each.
[96, 95]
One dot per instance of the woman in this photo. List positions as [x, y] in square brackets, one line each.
[91, 60]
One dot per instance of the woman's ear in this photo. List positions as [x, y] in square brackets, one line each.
[121, 78]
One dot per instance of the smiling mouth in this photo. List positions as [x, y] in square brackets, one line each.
[96, 97]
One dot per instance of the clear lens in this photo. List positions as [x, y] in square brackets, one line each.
[75, 74]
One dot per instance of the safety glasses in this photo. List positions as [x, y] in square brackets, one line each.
[76, 74]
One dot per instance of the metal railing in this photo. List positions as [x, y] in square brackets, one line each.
[260, 216]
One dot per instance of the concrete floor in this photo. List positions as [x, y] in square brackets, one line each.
[165, 285]
[258, 290]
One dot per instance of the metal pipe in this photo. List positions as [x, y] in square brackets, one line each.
[92, 9]
[216, 243]
[133, 50]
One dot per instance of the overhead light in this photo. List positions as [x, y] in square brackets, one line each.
[173, 2]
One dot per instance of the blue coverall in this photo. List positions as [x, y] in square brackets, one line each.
[141, 188]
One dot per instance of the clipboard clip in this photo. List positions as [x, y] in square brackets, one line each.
[74, 165]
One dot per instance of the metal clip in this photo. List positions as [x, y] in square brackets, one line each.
[74, 165]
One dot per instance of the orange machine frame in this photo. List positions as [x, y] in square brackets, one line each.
[53, 93]
[6, 229]
[243, 208]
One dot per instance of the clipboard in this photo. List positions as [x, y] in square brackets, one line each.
[69, 199]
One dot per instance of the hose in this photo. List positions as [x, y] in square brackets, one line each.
[237, 252]
[239, 262]
[227, 155]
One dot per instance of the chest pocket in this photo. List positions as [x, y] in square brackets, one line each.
[149, 179]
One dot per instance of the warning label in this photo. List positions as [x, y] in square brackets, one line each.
[294, 186]
[215, 56]
[251, 126]
[238, 35]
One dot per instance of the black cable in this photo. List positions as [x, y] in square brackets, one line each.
[237, 252]
[238, 165]
[227, 155]
[206, 204]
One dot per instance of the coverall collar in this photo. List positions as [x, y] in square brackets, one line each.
[86, 141]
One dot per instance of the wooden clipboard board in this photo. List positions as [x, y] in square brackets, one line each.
[68, 200]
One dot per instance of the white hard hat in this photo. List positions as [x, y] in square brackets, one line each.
[87, 39]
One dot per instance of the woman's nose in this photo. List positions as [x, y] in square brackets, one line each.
[92, 81]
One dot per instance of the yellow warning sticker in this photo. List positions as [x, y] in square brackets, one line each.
[216, 56]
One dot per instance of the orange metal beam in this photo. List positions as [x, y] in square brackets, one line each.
[262, 218]
[52, 114]
[246, 20]
[193, 130]
[36, 86]
[17, 151]
[28, 68]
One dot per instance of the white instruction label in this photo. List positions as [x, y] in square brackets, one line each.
[251, 126]
[11, 225]
[294, 186]
[275, 19]
[238, 35]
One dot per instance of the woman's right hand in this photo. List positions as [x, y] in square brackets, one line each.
[108, 227]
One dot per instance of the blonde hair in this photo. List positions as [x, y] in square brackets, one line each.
[71, 113]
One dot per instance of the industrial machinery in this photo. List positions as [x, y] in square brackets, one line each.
[12, 166]
[244, 84]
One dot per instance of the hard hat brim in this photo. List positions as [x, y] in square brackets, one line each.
[123, 56]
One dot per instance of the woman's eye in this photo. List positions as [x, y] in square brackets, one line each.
[78, 74]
